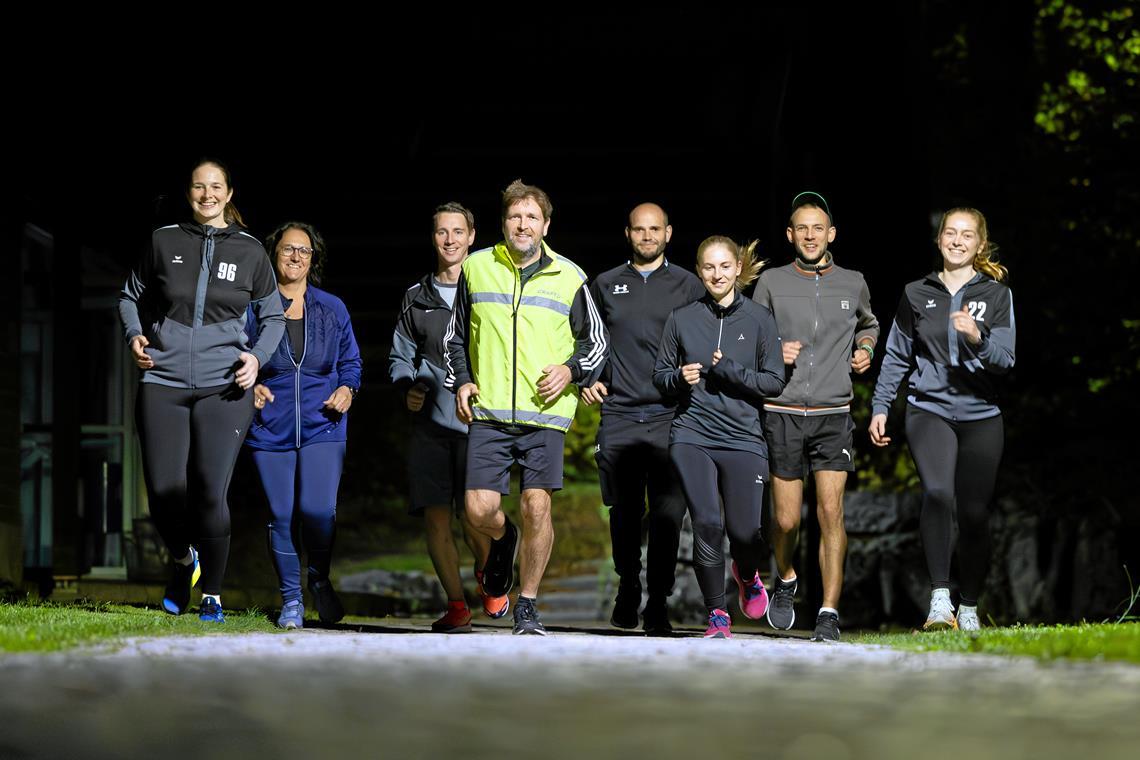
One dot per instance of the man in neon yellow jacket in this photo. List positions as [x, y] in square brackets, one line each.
[525, 335]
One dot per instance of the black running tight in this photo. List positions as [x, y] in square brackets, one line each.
[190, 442]
[708, 478]
[958, 464]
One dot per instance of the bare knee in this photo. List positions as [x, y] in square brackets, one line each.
[535, 505]
[481, 507]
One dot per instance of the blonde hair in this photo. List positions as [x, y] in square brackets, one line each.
[750, 265]
[984, 261]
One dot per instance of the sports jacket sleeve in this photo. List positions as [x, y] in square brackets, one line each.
[348, 362]
[455, 340]
[402, 357]
[597, 293]
[897, 359]
[266, 305]
[866, 324]
[132, 294]
[592, 338]
[667, 372]
[767, 380]
[999, 334]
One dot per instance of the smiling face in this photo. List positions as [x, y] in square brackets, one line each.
[718, 269]
[648, 233]
[452, 238]
[294, 256]
[523, 228]
[208, 195]
[810, 231]
[959, 241]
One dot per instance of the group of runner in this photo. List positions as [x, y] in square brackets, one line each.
[705, 395]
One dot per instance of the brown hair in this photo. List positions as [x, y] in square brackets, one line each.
[520, 191]
[750, 265]
[452, 207]
[316, 264]
[984, 260]
[230, 212]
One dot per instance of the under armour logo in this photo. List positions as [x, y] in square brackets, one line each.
[619, 289]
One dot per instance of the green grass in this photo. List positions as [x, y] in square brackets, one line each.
[51, 627]
[1086, 641]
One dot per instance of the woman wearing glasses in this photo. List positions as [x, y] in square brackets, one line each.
[184, 314]
[298, 435]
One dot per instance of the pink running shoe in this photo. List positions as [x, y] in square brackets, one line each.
[753, 596]
[720, 625]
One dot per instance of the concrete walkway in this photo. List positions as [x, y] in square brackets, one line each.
[398, 691]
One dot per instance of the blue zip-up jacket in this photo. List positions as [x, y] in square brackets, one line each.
[948, 376]
[418, 350]
[722, 411]
[330, 358]
[189, 297]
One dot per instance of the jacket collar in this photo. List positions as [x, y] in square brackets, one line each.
[548, 257]
[722, 311]
[427, 296]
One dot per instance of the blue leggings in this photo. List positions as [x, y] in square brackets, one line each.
[301, 486]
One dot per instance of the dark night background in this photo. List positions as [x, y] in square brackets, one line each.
[894, 111]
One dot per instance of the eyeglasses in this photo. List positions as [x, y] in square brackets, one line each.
[300, 250]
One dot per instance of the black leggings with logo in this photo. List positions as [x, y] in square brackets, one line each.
[190, 441]
[710, 477]
[958, 464]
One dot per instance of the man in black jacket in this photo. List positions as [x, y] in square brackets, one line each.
[632, 449]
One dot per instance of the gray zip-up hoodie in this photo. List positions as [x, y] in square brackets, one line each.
[189, 296]
[829, 311]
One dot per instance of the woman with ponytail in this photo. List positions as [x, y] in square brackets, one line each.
[955, 328]
[184, 314]
[721, 356]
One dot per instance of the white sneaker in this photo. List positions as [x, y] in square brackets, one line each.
[968, 619]
[941, 614]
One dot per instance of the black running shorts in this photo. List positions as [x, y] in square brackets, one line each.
[798, 445]
[437, 461]
[492, 449]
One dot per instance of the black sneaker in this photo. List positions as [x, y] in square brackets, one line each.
[526, 619]
[329, 608]
[176, 598]
[655, 618]
[626, 605]
[498, 573]
[826, 627]
[782, 607]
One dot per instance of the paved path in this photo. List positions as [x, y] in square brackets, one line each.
[400, 692]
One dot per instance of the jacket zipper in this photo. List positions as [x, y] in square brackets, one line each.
[297, 375]
[515, 347]
[814, 338]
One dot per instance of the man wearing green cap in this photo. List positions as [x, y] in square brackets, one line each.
[828, 331]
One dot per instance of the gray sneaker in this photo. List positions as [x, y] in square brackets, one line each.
[968, 619]
[826, 627]
[782, 607]
[526, 619]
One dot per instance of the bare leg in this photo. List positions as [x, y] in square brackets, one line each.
[537, 539]
[787, 504]
[441, 549]
[478, 543]
[484, 514]
[832, 534]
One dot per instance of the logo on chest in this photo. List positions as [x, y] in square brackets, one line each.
[845, 305]
[620, 289]
[227, 272]
[930, 303]
[176, 260]
[741, 336]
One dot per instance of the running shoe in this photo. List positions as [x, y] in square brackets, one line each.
[655, 618]
[526, 619]
[753, 597]
[494, 607]
[626, 605]
[329, 608]
[968, 619]
[782, 611]
[292, 615]
[941, 616]
[183, 578]
[211, 611]
[826, 627]
[456, 620]
[720, 625]
[498, 573]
